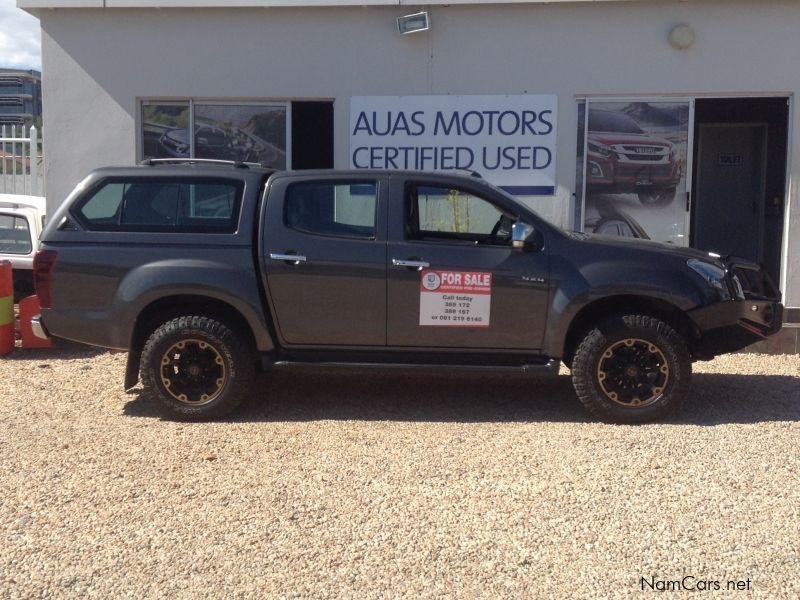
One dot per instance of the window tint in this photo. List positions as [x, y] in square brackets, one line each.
[212, 201]
[443, 214]
[328, 208]
[164, 206]
[15, 235]
[150, 204]
[103, 206]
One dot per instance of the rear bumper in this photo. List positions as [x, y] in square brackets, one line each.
[729, 326]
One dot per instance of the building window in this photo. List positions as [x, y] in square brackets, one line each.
[238, 131]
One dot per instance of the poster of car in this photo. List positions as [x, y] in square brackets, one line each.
[635, 170]
[243, 132]
[159, 119]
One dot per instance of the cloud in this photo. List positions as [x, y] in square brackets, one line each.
[20, 38]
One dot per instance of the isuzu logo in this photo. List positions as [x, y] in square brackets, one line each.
[644, 149]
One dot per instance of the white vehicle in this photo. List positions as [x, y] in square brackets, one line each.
[21, 223]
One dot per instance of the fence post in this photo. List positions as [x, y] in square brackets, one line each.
[34, 159]
[3, 154]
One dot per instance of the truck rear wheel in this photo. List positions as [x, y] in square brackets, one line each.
[631, 369]
[197, 367]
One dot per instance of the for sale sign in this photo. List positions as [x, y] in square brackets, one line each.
[455, 299]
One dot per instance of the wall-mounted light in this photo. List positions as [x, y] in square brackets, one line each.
[413, 23]
[681, 37]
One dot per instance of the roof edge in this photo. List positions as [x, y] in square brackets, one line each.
[38, 4]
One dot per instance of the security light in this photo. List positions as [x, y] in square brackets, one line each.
[681, 37]
[413, 23]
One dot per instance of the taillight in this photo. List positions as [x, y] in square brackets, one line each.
[43, 264]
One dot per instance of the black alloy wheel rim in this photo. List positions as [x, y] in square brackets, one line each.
[193, 372]
[633, 373]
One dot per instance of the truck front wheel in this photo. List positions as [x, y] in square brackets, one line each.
[631, 369]
[657, 197]
[197, 367]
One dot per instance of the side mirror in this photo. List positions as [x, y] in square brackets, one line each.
[525, 237]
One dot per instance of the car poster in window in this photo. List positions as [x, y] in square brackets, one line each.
[165, 130]
[455, 299]
[223, 131]
[248, 133]
[635, 169]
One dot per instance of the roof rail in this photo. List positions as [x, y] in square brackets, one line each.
[236, 164]
[469, 172]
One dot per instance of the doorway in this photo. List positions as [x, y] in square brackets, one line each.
[739, 178]
[312, 135]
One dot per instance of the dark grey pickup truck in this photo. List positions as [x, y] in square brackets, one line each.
[206, 272]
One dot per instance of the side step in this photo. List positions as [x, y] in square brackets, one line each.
[549, 367]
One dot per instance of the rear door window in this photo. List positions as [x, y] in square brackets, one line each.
[341, 209]
[174, 205]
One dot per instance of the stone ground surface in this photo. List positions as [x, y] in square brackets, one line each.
[393, 485]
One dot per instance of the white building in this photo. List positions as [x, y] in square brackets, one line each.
[689, 105]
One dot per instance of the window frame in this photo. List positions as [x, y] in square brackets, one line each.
[232, 227]
[334, 182]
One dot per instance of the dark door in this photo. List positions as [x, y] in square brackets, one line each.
[325, 260]
[453, 279]
[728, 205]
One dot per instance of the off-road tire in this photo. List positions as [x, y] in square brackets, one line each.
[223, 349]
[656, 338]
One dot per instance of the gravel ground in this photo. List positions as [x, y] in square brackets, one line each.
[391, 485]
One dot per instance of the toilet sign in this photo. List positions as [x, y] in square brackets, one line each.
[455, 299]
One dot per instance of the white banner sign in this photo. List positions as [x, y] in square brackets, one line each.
[509, 140]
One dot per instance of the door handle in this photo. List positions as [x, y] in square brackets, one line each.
[415, 264]
[295, 259]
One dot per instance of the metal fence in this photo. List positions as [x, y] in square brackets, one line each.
[21, 161]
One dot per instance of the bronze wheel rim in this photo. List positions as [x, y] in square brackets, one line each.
[193, 372]
[633, 373]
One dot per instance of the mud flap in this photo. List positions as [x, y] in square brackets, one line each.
[132, 370]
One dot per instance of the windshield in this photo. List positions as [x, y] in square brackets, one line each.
[613, 122]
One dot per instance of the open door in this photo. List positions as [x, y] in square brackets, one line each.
[739, 198]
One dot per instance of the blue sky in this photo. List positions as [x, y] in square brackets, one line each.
[20, 40]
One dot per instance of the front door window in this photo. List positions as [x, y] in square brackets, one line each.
[456, 216]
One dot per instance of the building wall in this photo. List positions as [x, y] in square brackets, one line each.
[97, 62]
